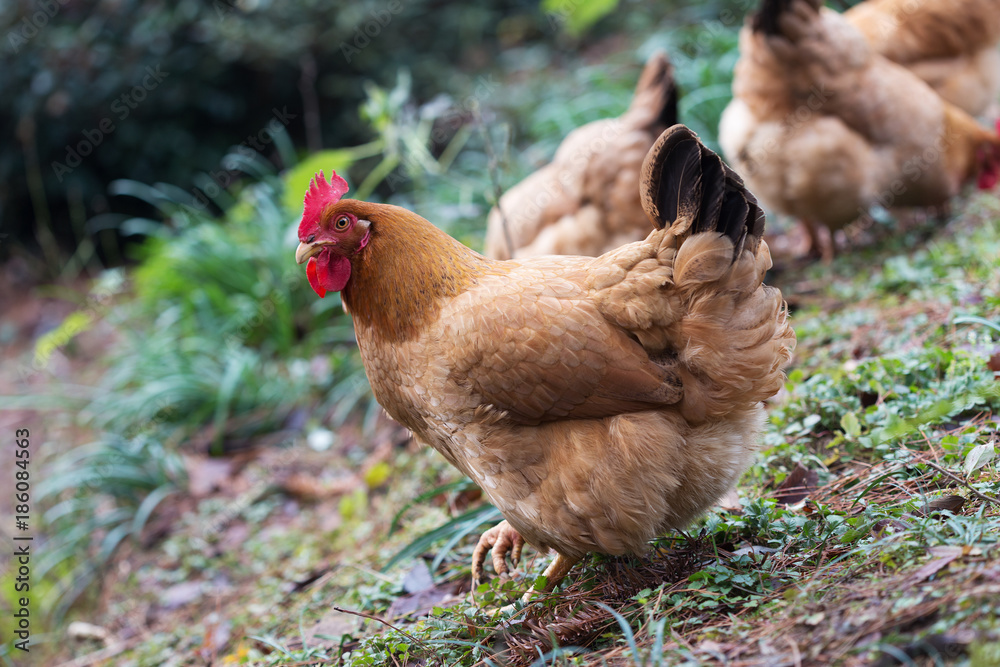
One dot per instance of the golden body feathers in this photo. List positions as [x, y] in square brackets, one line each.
[598, 402]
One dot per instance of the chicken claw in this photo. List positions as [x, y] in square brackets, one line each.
[502, 539]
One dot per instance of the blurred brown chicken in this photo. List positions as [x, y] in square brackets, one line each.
[822, 127]
[586, 201]
[950, 44]
[598, 402]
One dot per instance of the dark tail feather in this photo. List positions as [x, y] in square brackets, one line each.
[684, 182]
[657, 89]
[767, 20]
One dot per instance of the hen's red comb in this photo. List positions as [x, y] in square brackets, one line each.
[320, 194]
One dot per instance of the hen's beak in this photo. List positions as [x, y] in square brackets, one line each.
[307, 250]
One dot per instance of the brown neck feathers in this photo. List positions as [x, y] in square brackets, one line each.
[399, 280]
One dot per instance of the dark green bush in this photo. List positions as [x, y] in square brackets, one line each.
[156, 91]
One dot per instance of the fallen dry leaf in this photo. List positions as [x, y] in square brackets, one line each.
[730, 501]
[883, 525]
[181, 594]
[950, 503]
[419, 578]
[929, 569]
[422, 602]
[331, 628]
[309, 487]
[797, 486]
[81, 630]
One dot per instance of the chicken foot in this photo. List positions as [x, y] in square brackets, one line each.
[502, 539]
[555, 573]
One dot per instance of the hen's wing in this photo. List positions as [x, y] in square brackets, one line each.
[570, 337]
[530, 342]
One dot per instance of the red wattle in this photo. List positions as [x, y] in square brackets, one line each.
[328, 273]
[333, 272]
[313, 278]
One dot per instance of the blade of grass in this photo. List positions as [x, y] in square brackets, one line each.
[474, 517]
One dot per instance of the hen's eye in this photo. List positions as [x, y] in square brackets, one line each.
[342, 223]
[312, 237]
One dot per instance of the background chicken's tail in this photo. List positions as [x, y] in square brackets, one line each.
[656, 93]
[767, 20]
[684, 183]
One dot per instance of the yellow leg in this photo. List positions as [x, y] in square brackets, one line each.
[554, 574]
[820, 245]
[502, 539]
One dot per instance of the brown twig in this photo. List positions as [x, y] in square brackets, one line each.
[961, 481]
[384, 622]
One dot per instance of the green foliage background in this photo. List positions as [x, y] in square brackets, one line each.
[228, 63]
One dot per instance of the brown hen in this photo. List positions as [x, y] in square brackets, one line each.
[598, 402]
[822, 127]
